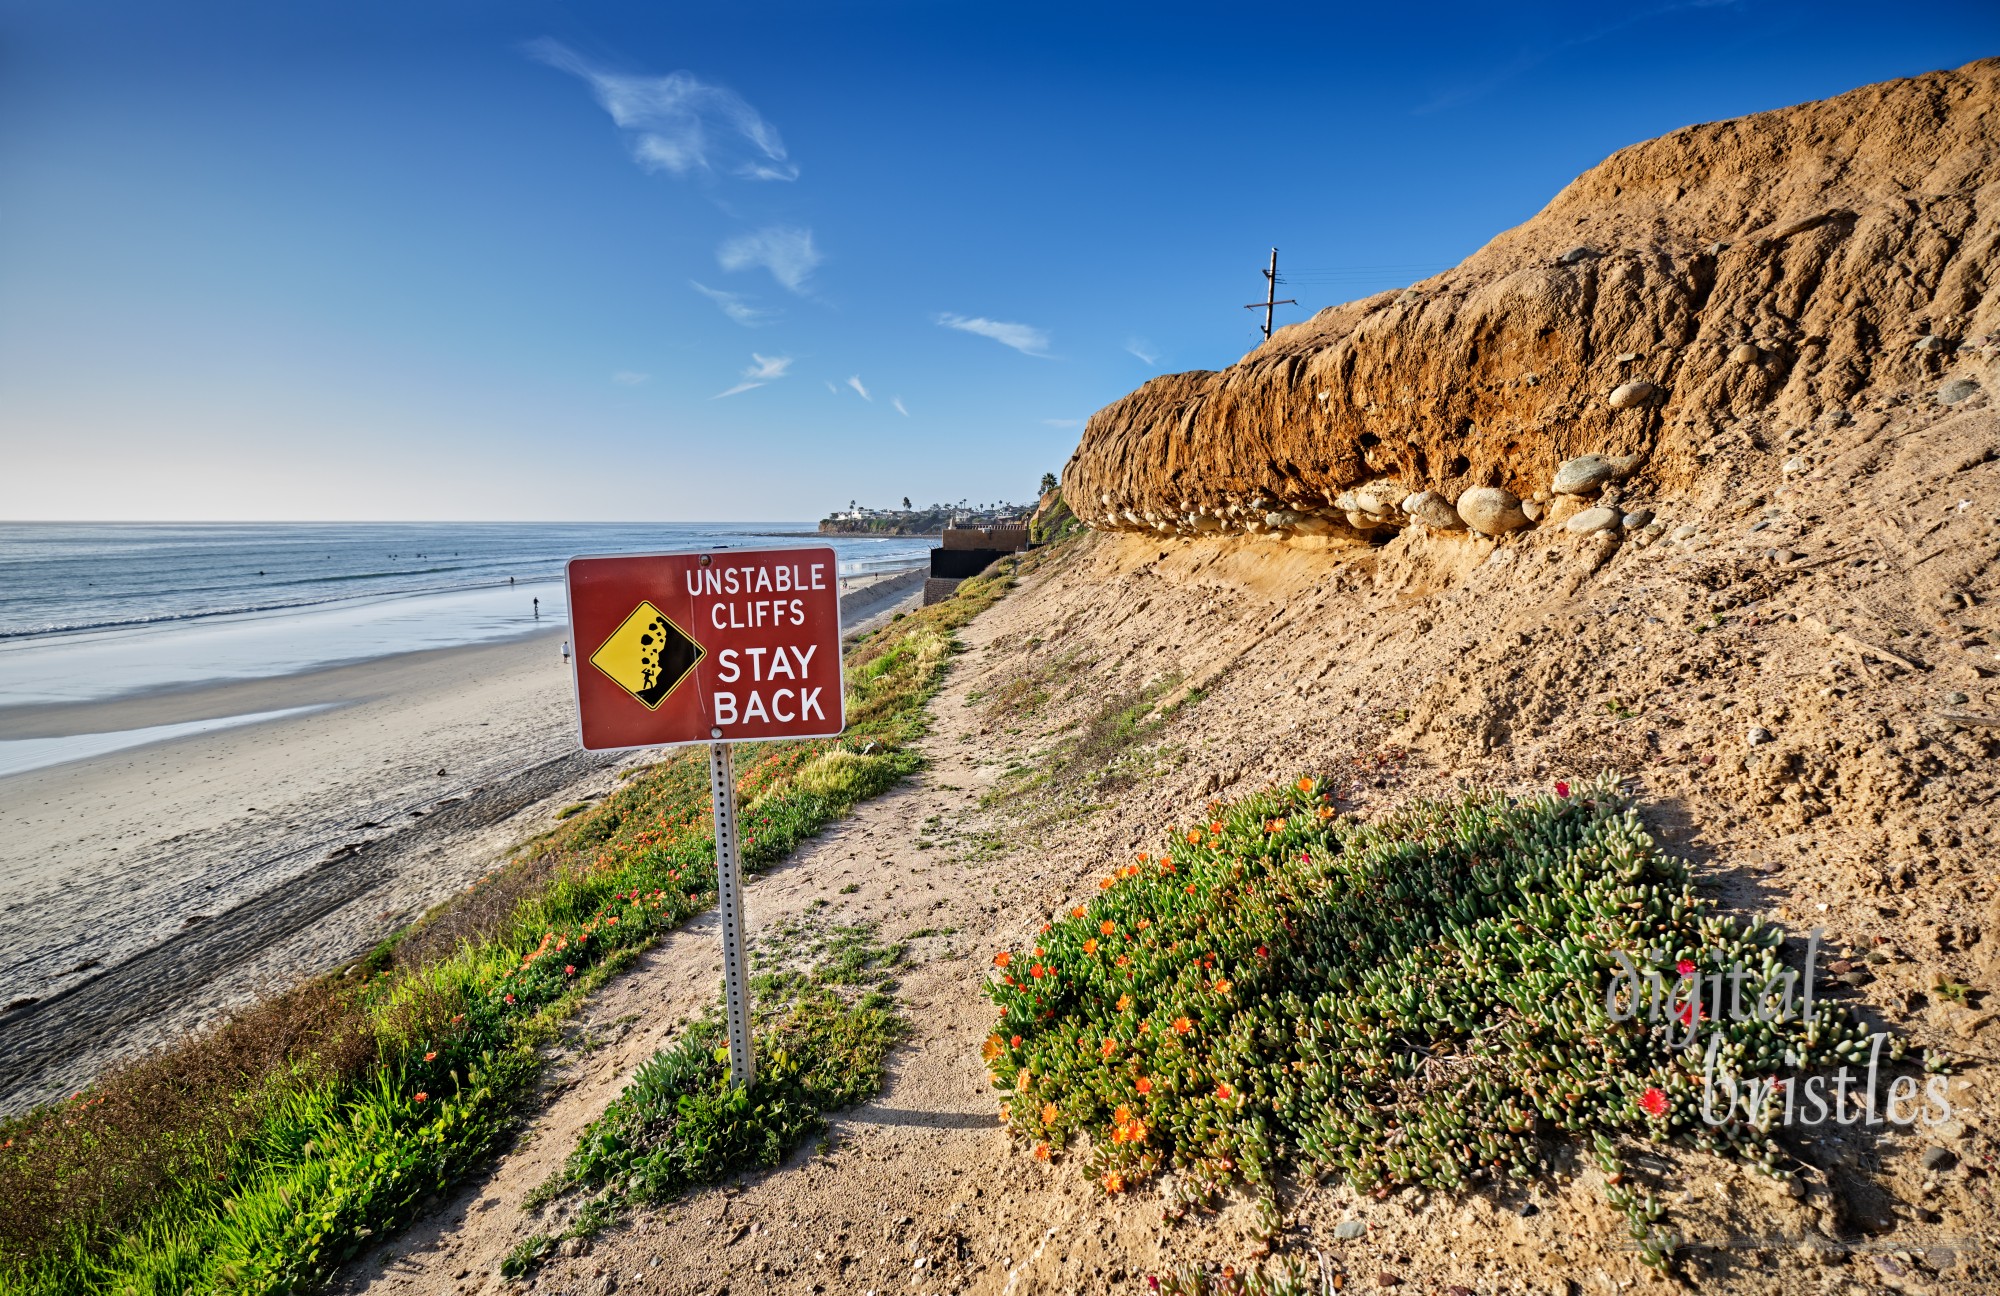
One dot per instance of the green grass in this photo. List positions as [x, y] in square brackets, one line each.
[1420, 1001]
[258, 1157]
[823, 1037]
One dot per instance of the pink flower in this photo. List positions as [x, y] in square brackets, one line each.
[1684, 967]
[1654, 1102]
[1562, 790]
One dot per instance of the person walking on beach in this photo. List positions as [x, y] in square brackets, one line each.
[538, 609]
[565, 652]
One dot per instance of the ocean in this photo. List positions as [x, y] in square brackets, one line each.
[90, 611]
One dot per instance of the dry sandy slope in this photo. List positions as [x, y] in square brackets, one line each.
[1410, 667]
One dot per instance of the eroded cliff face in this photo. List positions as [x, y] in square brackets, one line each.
[1770, 270]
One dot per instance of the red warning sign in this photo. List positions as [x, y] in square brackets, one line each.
[726, 646]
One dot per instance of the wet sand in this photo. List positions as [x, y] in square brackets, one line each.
[147, 891]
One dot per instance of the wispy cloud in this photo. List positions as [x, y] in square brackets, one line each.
[1025, 338]
[626, 378]
[1062, 423]
[855, 383]
[763, 369]
[736, 306]
[1144, 350]
[679, 123]
[788, 253]
[898, 403]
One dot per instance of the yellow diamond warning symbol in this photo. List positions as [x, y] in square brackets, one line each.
[648, 656]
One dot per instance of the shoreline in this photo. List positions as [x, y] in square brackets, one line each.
[335, 685]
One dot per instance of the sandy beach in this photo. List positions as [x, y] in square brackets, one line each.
[146, 891]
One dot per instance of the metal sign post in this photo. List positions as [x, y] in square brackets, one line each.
[729, 892]
[722, 647]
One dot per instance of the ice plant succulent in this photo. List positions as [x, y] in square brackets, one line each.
[1417, 1001]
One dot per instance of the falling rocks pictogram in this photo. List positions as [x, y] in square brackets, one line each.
[648, 655]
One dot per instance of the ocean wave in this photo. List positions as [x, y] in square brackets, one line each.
[246, 609]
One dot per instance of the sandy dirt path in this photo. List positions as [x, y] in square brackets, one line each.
[918, 864]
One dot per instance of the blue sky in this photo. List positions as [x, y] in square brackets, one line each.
[513, 260]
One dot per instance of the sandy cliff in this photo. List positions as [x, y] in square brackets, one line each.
[1755, 273]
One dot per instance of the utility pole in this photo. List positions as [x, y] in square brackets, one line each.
[1271, 302]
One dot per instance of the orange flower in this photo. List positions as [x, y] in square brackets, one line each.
[1041, 1151]
[430, 1057]
[1305, 785]
[1107, 927]
[1103, 884]
[1076, 912]
[1144, 923]
[1122, 1116]
[1110, 1047]
[1190, 888]
[1325, 813]
[1182, 1025]
[422, 1096]
[1216, 828]
[1090, 946]
[1194, 837]
[1049, 1113]
[1123, 959]
[1145, 1084]
[1016, 1041]
[1114, 1182]
[991, 1049]
[1222, 985]
[1003, 958]
[1124, 1003]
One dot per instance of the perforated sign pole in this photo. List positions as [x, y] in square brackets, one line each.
[715, 648]
[729, 890]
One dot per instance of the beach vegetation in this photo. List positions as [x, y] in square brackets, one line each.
[260, 1155]
[823, 1037]
[1419, 1001]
